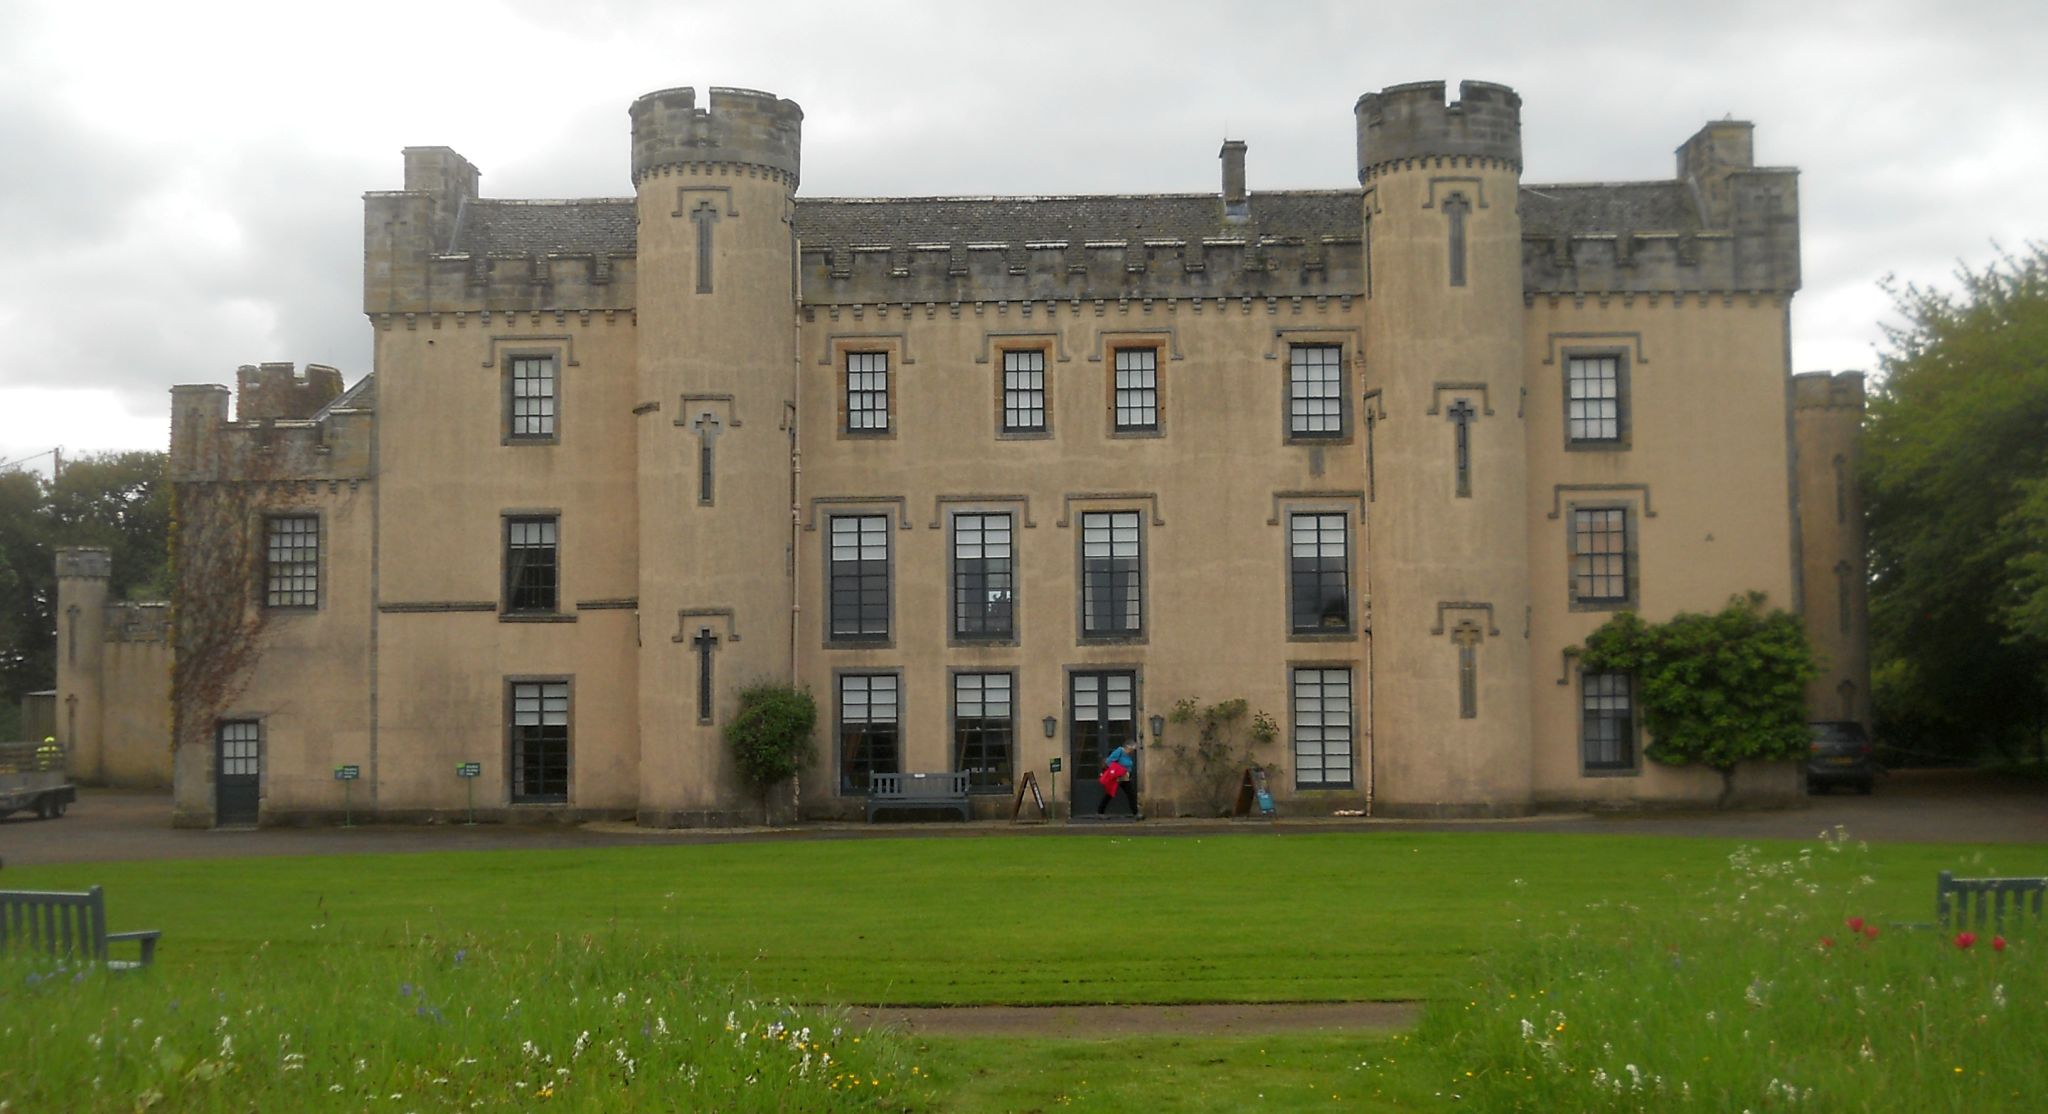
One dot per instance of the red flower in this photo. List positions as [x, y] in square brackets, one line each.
[1870, 930]
[1998, 943]
[1827, 941]
[1965, 939]
[1855, 924]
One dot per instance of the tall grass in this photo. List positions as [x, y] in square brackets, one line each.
[1779, 988]
[583, 1023]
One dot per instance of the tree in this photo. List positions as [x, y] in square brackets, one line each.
[770, 735]
[1715, 690]
[1956, 483]
[1227, 737]
[28, 589]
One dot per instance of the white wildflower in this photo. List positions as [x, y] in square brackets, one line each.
[582, 1042]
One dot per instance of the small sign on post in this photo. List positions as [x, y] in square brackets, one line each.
[1055, 778]
[469, 772]
[345, 775]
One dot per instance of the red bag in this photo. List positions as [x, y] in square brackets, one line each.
[1112, 776]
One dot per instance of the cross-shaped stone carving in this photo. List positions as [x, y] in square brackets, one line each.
[705, 642]
[1466, 637]
[71, 643]
[708, 429]
[1461, 415]
[705, 215]
[1456, 209]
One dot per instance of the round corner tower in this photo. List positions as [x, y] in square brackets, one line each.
[716, 320]
[1449, 532]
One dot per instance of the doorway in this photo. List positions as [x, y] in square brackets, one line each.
[1102, 714]
[238, 773]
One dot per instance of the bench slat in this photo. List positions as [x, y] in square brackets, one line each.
[61, 925]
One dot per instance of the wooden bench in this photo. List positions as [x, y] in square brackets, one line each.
[1978, 903]
[944, 792]
[67, 926]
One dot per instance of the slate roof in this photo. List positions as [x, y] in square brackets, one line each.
[606, 225]
[362, 396]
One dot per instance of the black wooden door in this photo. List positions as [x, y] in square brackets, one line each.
[1101, 716]
[238, 773]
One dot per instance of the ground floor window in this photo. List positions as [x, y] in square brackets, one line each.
[1322, 728]
[1607, 731]
[983, 730]
[540, 742]
[869, 740]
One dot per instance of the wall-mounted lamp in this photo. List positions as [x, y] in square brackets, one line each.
[1158, 725]
[1052, 726]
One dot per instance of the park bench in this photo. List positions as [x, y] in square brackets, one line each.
[943, 792]
[67, 926]
[1977, 903]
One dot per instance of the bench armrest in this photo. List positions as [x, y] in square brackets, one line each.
[147, 938]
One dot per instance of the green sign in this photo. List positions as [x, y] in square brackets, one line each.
[469, 769]
[347, 773]
[1055, 765]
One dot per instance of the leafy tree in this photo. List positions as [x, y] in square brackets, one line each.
[770, 735]
[28, 588]
[1956, 481]
[1717, 689]
[1226, 740]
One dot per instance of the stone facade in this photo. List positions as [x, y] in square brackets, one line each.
[1371, 458]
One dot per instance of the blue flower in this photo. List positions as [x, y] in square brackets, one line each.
[405, 990]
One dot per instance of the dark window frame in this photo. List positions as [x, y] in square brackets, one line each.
[1586, 566]
[861, 626]
[514, 362]
[975, 575]
[1092, 570]
[1138, 402]
[1296, 725]
[985, 731]
[1303, 408]
[1598, 725]
[1013, 401]
[555, 763]
[293, 595]
[531, 587]
[1576, 438]
[866, 733]
[1316, 578]
[880, 419]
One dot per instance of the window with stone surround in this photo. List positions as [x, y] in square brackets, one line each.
[1315, 391]
[1607, 727]
[1322, 728]
[539, 741]
[1319, 573]
[867, 392]
[1596, 401]
[983, 577]
[532, 564]
[530, 398]
[1603, 549]
[984, 730]
[291, 561]
[1112, 575]
[1136, 399]
[1024, 394]
[858, 610]
[870, 738]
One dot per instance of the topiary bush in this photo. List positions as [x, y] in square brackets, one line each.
[770, 735]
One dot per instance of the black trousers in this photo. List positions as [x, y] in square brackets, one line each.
[1128, 791]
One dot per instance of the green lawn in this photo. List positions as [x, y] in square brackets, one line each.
[1087, 918]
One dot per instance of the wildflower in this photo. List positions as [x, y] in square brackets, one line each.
[1855, 924]
[1998, 943]
[405, 990]
[460, 955]
[1870, 932]
[1827, 941]
[1965, 939]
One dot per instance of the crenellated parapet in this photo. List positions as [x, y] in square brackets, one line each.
[1820, 390]
[741, 129]
[330, 442]
[1404, 123]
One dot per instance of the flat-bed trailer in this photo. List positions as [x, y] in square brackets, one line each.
[32, 776]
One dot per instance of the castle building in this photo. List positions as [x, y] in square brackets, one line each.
[1003, 480]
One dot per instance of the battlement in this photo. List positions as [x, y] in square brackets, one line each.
[85, 563]
[1820, 390]
[277, 390]
[1413, 121]
[287, 429]
[741, 127]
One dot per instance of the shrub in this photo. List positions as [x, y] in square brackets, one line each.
[770, 735]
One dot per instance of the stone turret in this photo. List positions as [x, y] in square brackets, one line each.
[83, 577]
[717, 252]
[1449, 540]
[1827, 427]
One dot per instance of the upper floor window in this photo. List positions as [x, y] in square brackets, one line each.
[532, 564]
[1137, 390]
[1315, 391]
[867, 392]
[531, 413]
[291, 564]
[1607, 728]
[859, 609]
[1112, 575]
[1595, 400]
[539, 742]
[1024, 392]
[1319, 573]
[1601, 576]
[983, 577]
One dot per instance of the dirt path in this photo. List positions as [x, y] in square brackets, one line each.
[1224, 1020]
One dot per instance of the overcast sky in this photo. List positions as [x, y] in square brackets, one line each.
[180, 184]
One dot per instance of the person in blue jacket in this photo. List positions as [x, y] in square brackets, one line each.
[1125, 755]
